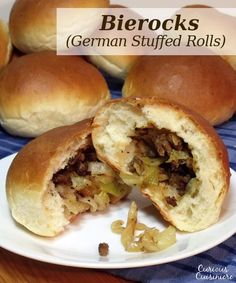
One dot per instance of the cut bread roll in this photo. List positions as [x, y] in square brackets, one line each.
[58, 176]
[171, 153]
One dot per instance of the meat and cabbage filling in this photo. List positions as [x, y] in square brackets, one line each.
[86, 184]
[163, 161]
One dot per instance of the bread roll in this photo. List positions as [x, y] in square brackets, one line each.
[226, 26]
[33, 23]
[171, 153]
[231, 59]
[206, 84]
[58, 176]
[42, 91]
[116, 66]
[5, 43]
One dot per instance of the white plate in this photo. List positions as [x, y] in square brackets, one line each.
[78, 245]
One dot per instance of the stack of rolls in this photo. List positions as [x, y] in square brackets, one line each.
[157, 144]
[40, 90]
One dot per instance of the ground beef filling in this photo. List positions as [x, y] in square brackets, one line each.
[78, 165]
[87, 184]
[168, 152]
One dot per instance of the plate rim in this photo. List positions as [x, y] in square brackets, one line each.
[113, 265]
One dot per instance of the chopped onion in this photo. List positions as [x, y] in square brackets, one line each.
[99, 168]
[150, 240]
[79, 182]
[176, 155]
[131, 180]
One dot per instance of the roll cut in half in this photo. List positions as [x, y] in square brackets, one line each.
[58, 176]
[171, 153]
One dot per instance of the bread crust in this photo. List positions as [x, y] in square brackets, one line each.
[116, 66]
[33, 23]
[42, 91]
[48, 149]
[197, 119]
[205, 84]
[6, 47]
[217, 151]
[29, 176]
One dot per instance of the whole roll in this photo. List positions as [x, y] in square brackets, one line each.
[206, 84]
[41, 91]
[5, 42]
[33, 23]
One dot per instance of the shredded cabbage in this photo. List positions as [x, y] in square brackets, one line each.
[178, 155]
[99, 168]
[150, 240]
[131, 180]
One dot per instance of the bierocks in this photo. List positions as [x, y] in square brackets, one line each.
[206, 84]
[208, 20]
[116, 66]
[33, 23]
[5, 43]
[171, 153]
[41, 91]
[58, 176]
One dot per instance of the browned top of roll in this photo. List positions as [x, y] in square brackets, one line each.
[33, 23]
[48, 149]
[41, 91]
[206, 84]
[5, 50]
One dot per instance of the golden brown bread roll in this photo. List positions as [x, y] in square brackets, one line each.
[208, 22]
[231, 59]
[171, 153]
[33, 23]
[206, 84]
[58, 176]
[41, 91]
[115, 65]
[5, 43]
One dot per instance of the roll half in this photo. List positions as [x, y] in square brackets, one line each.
[58, 176]
[171, 153]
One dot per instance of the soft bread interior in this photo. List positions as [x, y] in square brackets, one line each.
[199, 206]
[77, 182]
[41, 210]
